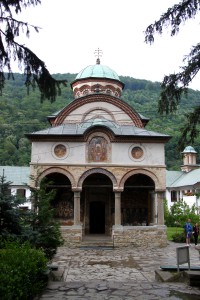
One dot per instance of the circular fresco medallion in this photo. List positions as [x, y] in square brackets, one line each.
[137, 152]
[60, 150]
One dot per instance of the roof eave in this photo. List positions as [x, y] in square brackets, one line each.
[118, 138]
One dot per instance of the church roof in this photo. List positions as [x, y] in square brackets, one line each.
[98, 122]
[16, 175]
[79, 129]
[175, 179]
[97, 71]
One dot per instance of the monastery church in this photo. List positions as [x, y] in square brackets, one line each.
[108, 170]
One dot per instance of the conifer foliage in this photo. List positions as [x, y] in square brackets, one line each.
[10, 221]
[175, 85]
[34, 68]
[38, 226]
[45, 232]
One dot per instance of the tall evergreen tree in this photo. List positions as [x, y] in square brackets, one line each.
[37, 226]
[45, 232]
[10, 223]
[36, 73]
[175, 85]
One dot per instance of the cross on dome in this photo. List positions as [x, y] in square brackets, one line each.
[98, 53]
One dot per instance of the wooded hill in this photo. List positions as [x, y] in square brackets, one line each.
[22, 113]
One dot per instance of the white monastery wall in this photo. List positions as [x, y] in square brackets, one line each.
[76, 154]
[153, 154]
[27, 195]
[190, 200]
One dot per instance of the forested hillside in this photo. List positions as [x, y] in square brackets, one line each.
[22, 113]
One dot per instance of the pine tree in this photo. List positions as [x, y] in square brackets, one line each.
[10, 216]
[37, 226]
[36, 73]
[176, 85]
[45, 233]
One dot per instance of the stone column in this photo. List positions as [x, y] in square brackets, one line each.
[117, 208]
[160, 205]
[153, 208]
[76, 208]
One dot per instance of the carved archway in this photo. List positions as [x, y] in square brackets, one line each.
[57, 170]
[95, 171]
[139, 171]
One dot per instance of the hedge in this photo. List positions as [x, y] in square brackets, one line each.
[22, 271]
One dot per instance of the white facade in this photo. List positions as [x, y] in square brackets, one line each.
[43, 152]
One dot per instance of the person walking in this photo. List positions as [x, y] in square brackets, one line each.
[188, 231]
[196, 233]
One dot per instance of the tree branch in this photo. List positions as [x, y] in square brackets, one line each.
[174, 16]
[34, 68]
[190, 130]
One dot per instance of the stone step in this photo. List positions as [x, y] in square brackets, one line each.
[96, 242]
[193, 278]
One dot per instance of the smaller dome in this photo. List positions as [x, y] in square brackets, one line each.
[189, 149]
[97, 71]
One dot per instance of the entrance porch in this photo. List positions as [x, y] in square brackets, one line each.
[132, 216]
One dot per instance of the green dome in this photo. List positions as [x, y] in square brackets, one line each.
[189, 149]
[97, 71]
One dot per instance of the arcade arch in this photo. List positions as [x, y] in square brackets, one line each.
[57, 170]
[63, 201]
[97, 171]
[142, 172]
[97, 202]
[136, 200]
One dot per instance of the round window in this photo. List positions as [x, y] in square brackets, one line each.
[137, 152]
[60, 150]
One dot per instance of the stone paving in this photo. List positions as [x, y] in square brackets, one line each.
[127, 273]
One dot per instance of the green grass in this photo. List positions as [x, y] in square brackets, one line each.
[172, 230]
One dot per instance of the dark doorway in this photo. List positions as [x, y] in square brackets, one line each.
[97, 217]
[97, 200]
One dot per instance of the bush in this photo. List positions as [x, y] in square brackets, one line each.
[22, 273]
[171, 231]
[179, 213]
[180, 237]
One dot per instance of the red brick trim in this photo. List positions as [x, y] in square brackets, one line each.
[98, 98]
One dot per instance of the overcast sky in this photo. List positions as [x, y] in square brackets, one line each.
[71, 31]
